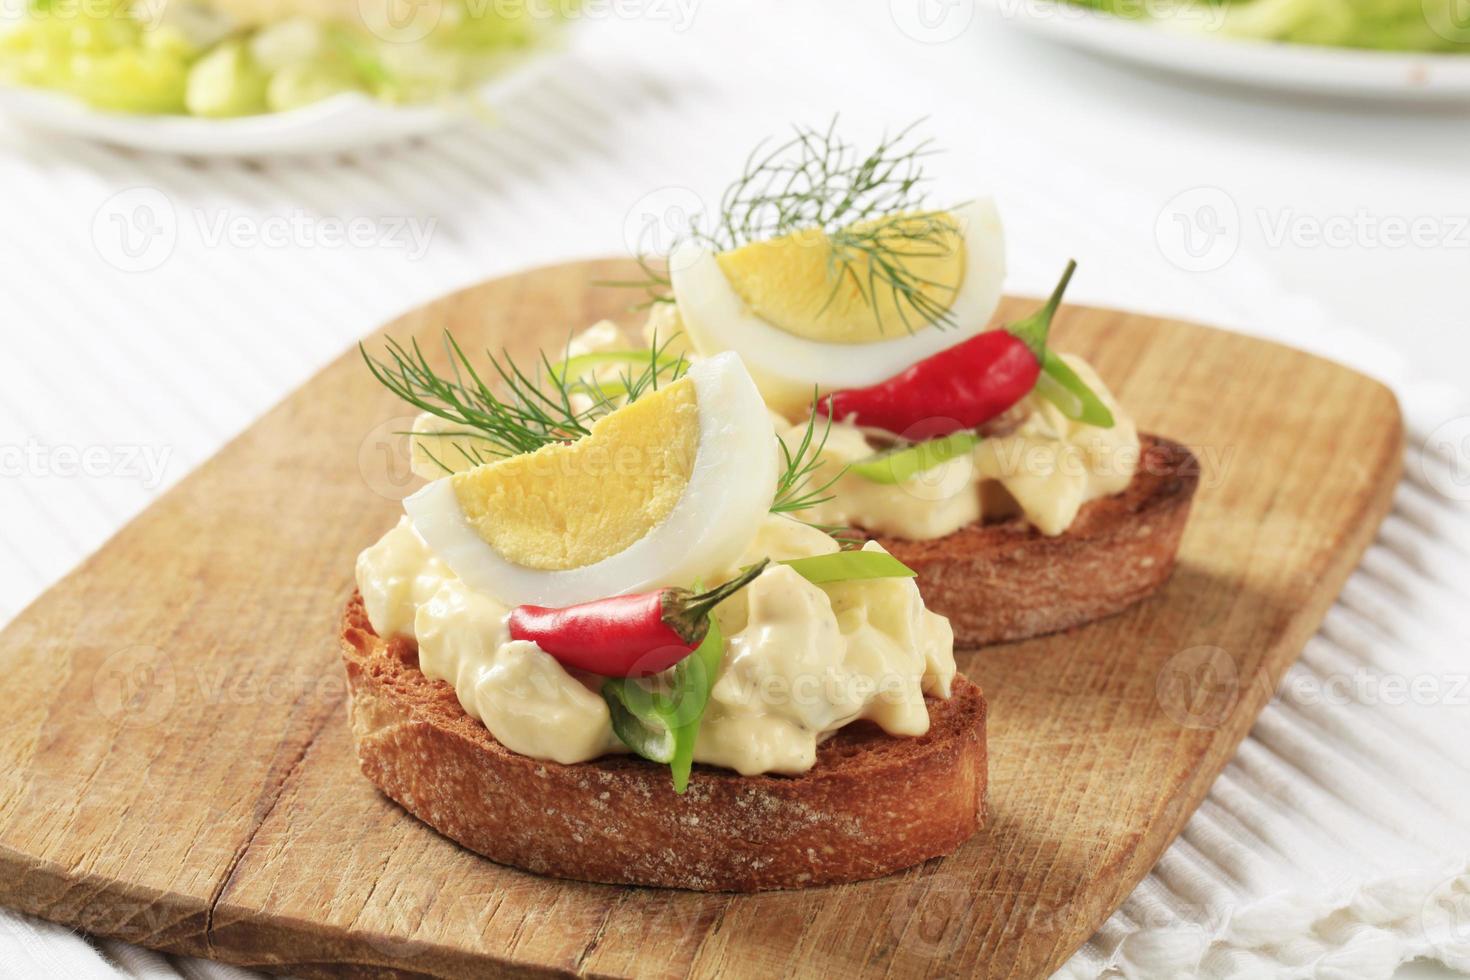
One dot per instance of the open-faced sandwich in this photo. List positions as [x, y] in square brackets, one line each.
[603, 644]
[1003, 472]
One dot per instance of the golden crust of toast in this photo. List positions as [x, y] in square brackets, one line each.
[873, 803]
[1007, 581]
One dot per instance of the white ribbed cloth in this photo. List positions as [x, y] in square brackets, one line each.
[1335, 844]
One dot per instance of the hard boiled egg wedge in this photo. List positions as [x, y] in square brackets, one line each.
[799, 321]
[663, 491]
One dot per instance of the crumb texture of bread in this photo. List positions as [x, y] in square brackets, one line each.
[873, 804]
[1007, 581]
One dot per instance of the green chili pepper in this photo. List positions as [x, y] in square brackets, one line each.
[662, 726]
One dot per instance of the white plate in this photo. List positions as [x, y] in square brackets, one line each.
[1294, 67]
[343, 122]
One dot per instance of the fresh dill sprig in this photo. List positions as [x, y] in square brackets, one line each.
[817, 180]
[655, 282]
[794, 490]
[796, 487]
[869, 206]
[524, 411]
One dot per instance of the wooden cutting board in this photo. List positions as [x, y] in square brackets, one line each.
[176, 769]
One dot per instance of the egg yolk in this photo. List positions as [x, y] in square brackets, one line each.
[569, 505]
[834, 288]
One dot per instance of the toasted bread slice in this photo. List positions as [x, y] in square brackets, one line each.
[1008, 581]
[872, 804]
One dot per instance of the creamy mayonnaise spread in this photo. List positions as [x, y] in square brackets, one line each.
[801, 660]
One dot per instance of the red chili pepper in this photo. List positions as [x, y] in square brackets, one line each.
[957, 389]
[626, 635]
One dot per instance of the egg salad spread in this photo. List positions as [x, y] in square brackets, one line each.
[801, 660]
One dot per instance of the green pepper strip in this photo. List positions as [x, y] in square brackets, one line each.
[663, 726]
[576, 367]
[898, 465]
[1061, 386]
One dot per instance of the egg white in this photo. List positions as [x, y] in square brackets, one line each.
[729, 494]
[786, 366]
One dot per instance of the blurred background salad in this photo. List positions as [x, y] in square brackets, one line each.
[245, 57]
[1386, 25]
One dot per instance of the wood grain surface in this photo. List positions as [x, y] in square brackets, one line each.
[176, 769]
